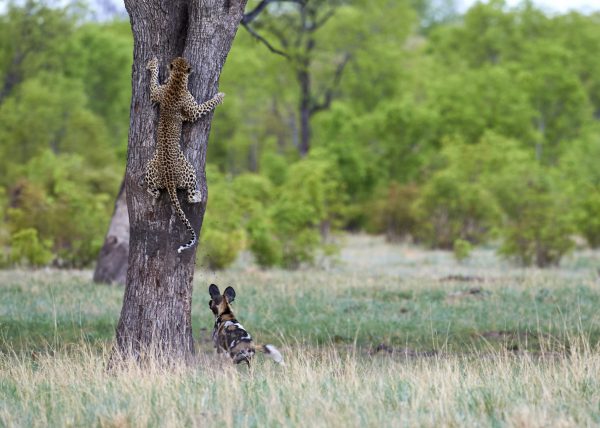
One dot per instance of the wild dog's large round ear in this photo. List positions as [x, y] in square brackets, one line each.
[230, 294]
[213, 290]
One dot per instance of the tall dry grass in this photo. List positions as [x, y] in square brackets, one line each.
[317, 388]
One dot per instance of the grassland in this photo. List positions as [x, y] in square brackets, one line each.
[387, 336]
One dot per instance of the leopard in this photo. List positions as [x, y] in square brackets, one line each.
[229, 336]
[168, 169]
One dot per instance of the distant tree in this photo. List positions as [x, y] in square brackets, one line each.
[295, 30]
[31, 38]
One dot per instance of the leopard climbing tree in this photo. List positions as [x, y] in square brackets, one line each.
[156, 312]
[169, 169]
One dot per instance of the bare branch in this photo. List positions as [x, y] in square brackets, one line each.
[319, 23]
[264, 41]
[337, 77]
[251, 16]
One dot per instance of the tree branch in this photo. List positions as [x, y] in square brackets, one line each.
[320, 22]
[264, 41]
[336, 81]
[251, 16]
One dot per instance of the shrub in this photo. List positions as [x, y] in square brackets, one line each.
[26, 248]
[539, 222]
[223, 235]
[310, 204]
[393, 211]
[58, 199]
[588, 217]
[462, 249]
[450, 208]
[274, 167]
[264, 244]
[580, 176]
[219, 248]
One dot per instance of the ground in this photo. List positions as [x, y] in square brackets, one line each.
[386, 335]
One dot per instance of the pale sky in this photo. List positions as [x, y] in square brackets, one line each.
[559, 6]
[550, 5]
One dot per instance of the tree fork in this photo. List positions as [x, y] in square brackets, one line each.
[156, 314]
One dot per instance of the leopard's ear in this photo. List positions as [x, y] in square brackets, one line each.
[213, 290]
[189, 70]
[230, 294]
[171, 66]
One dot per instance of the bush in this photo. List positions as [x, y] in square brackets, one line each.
[27, 249]
[274, 167]
[580, 176]
[264, 244]
[450, 208]
[588, 218]
[497, 188]
[309, 206]
[393, 213]
[59, 199]
[223, 235]
[462, 249]
[219, 249]
[539, 221]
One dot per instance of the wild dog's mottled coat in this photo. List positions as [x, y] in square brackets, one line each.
[229, 335]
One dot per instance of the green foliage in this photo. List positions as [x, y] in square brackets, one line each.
[462, 249]
[455, 202]
[469, 130]
[274, 167]
[223, 235]
[281, 225]
[27, 249]
[219, 249]
[539, 223]
[64, 205]
[309, 203]
[580, 179]
[265, 246]
[393, 213]
[588, 218]
[63, 123]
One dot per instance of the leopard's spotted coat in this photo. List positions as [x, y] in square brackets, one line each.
[169, 169]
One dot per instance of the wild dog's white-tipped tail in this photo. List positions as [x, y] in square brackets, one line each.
[273, 353]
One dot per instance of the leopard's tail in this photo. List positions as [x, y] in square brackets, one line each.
[173, 195]
[271, 352]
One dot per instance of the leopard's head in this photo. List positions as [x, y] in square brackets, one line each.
[219, 303]
[180, 65]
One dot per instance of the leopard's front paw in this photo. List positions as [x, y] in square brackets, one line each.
[152, 64]
[219, 97]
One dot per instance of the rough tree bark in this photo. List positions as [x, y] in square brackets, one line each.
[156, 313]
[111, 267]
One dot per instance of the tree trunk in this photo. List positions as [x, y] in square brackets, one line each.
[111, 267]
[305, 106]
[156, 314]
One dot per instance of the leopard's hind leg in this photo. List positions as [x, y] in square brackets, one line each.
[153, 179]
[187, 181]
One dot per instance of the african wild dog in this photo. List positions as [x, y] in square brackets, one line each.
[229, 335]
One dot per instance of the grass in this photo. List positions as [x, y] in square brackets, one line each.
[318, 387]
[390, 336]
